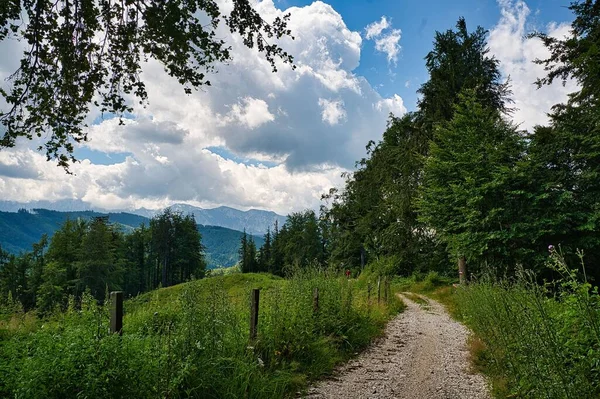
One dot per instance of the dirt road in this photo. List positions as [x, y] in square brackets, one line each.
[422, 355]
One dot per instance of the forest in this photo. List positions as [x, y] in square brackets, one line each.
[97, 256]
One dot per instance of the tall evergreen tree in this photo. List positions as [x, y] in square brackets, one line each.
[468, 195]
[176, 248]
[65, 249]
[566, 155]
[459, 60]
[99, 268]
[265, 256]
[247, 253]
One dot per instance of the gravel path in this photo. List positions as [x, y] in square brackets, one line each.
[422, 355]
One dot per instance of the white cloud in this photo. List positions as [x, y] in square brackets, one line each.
[332, 111]
[249, 110]
[516, 53]
[395, 105]
[387, 43]
[374, 29]
[252, 113]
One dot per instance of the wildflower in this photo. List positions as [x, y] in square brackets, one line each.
[260, 362]
[550, 248]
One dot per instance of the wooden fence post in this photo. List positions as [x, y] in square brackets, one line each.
[116, 312]
[316, 300]
[378, 290]
[254, 299]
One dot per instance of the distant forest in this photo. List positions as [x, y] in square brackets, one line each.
[74, 252]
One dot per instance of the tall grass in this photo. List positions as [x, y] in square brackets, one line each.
[539, 341]
[193, 341]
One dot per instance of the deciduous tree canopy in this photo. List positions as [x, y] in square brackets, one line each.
[82, 54]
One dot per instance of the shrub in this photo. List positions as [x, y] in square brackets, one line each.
[544, 342]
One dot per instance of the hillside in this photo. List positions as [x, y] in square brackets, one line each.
[196, 334]
[19, 230]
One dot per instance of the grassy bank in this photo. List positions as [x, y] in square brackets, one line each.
[536, 343]
[192, 340]
[531, 340]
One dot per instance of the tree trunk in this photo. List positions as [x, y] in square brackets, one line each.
[462, 269]
[164, 272]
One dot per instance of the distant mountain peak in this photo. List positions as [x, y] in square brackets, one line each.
[254, 221]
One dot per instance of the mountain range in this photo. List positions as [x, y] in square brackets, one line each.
[20, 229]
[254, 221]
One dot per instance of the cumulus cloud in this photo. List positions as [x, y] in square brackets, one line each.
[395, 105]
[332, 111]
[516, 53]
[312, 123]
[374, 29]
[251, 112]
[388, 42]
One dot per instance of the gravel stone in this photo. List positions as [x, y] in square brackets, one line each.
[423, 354]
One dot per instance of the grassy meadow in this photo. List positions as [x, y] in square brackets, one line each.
[192, 340]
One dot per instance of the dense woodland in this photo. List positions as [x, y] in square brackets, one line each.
[96, 256]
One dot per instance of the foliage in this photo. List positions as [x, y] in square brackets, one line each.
[539, 342]
[83, 55]
[175, 248]
[248, 261]
[96, 256]
[469, 191]
[459, 60]
[298, 244]
[191, 340]
[20, 230]
[377, 214]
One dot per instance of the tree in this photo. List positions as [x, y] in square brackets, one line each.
[376, 214]
[298, 242]
[265, 255]
[88, 54]
[577, 55]
[459, 61]
[51, 292]
[247, 252]
[468, 193]
[99, 268]
[568, 151]
[65, 250]
[176, 248]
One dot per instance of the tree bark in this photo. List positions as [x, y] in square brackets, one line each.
[462, 269]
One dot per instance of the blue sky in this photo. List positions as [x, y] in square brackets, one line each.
[255, 139]
[419, 20]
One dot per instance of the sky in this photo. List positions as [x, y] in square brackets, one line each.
[278, 141]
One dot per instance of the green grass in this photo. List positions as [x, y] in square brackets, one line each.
[192, 340]
[534, 344]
